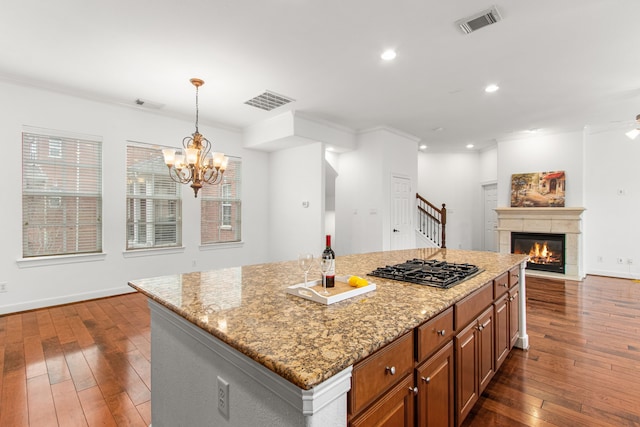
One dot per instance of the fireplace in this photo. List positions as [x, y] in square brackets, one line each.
[546, 250]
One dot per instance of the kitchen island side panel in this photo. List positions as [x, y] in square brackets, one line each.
[184, 374]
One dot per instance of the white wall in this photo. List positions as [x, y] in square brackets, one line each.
[453, 179]
[296, 175]
[612, 199]
[359, 200]
[489, 165]
[363, 189]
[31, 287]
[561, 152]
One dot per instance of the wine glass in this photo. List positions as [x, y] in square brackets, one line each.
[325, 266]
[305, 261]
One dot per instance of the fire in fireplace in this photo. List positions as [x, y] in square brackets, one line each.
[546, 251]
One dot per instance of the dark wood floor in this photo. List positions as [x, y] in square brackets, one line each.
[583, 365]
[84, 364]
[87, 364]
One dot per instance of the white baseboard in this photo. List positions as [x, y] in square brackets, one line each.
[65, 299]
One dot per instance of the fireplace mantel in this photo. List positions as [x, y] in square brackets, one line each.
[566, 221]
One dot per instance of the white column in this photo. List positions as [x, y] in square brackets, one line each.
[523, 339]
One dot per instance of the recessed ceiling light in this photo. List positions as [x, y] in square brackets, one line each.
[533, 130]
[329, 148]
[438, 129]
[469, 146]
[388, 55]
[491, 88]
[423, 146]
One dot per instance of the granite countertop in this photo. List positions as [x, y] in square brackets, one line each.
[303, 341]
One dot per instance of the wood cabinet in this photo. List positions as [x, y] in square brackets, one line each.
[435, 382]
[514, 315]
[434, 375]
[501, 285]
[502, 329]
[434, 333]
[394, 409]
[475, 361]
[486, 349]
[514, 307]
[377, 373]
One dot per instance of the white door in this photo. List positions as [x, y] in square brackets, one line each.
[490, 193]
[402, 204]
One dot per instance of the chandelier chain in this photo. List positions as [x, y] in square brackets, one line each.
[197, 109]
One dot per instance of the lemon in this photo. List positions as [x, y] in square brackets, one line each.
[361, 282]
[353, 280]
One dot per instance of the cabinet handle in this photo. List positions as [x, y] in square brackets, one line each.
[441, 332]
[426, 379]
[414, 390]
[480, 327]
[391, 370]
[504, 285]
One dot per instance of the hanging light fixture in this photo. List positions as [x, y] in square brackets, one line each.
[633, 133]
[197, 164]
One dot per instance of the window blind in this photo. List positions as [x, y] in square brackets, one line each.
[221, 207]
[61, 195]
[154, 204]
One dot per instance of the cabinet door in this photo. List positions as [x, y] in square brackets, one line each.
[466, 370]
[393, 409]
[486, 349]
[502, 337]
[514, 316]
[435, 389]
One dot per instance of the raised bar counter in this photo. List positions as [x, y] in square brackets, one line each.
[306, 343]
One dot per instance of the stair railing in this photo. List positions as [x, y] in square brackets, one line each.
[432, 221]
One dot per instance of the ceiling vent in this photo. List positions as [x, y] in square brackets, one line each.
[479, 20]
[268, 101]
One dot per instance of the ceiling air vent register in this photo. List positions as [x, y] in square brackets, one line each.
[268, 101]
[479, 20]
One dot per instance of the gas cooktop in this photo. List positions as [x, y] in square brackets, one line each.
[440, 274]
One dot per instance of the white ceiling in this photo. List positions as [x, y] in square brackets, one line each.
[561, 65]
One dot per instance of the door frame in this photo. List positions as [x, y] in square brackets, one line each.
[412, 218]
[483, 189]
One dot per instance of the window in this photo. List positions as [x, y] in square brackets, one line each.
[61, 194]
[226, 205]
[220, 208]
[55, 148]
[154, 206]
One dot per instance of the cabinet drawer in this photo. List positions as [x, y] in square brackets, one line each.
[514, 276]
[468, 308]
[434, 333]
[378, 372]
[501, 285]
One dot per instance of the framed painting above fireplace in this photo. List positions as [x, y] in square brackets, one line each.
[538, 189]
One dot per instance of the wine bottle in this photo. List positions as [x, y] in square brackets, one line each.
[328, 253]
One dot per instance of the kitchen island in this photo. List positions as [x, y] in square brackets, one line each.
[284, 360]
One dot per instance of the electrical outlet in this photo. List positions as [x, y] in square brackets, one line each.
[223, 397]
[619, 260]
[3, 287]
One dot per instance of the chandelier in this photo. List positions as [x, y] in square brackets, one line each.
[197, 164]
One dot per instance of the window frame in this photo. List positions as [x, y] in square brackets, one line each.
[61, 196]
[221, 208]
[149, 208]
